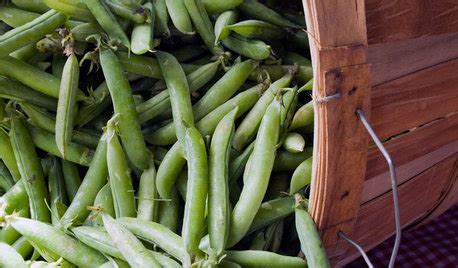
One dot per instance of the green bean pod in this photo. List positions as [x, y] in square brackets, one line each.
[257, 258]
[123, 103]
[160, 103]
[71, 177]
[57, 192]
[31, 5]
[156, 234]
[15, 198]
[104, 200]
[302, 176]
[228, 264]
[292, 58]
[179, 15]
[250, 48]
[107, 21]
[194, 211]
[168, 211]
[142, 34]
[133, 11]
[294, 142]
[6, 180]
[16, 17]
[10, 258]
[30, 169]
[303, 116]
[23, 247]
[202, 23]
[120, 180]
[224, 19]
[140, 65]
[218, 192]
[56, 241]
[257, 29]
[250, 124]
[30, 32]
[256, 186]
[147, 193]
[311, 244]
[93, 181]
[219, 6]
[13, 90]
[259, 11]
[8, 234]
[219, 93]
[303, 75]
[272, 211]
[244, 101]
[131, 248]
[168, 170]
[237, 165]
[66, 105]
[286, 161]
[99, 239]
[89, 111]
[162, 17]
[84, 30]
[7, 155]
[46, 141]
[71, 8]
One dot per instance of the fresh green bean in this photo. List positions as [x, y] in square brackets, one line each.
[311, 244]
[71, 8]
[194, 212]
[169, 169]
[15, 199]
[237, 165]
[71, 177]
[133, 11]
[107, 21]
[23, 247]
[131, 248]
[46, 141]
[179, 15]
[16, 17]
[156, 234]
[94, 180]
[27, 53]
[168, 211]
[250, 124]
[220, 92]
[144, 66]
[66, 105]
[178, 88]
[272, 211]
[123, 103]
[9, 258]
[8, 234]
[257, 29]
[162, 17]
[202, 23]
[40, 118]
[147, 193]
[120, 180]
[89, 111]
[226, 18]
[7, 155]
[57, 65]
[31, 5]
[104, 200]
[255, 187]
[286, 161]
[84, 30]
[219, 6]
[6, 180]
[13, 90]
[303, 116]
[303, 75]
[57, 193]
[218, 193]
[250, 48]
[52, 239]
[30, 169]
[142, 34]
[294, 142]
[302, 176]
[182, 183]
[257, 258]
[258, 11]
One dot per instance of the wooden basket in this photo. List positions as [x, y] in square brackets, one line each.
[398, 62]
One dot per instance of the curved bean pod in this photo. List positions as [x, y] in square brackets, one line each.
[255, 188]
[226, 18]
[71, 8]
[257, 29]
[162, 17]
[71, 177]
[259, 11]
[84, 30]
[123, 103]
[303, 117]
[219, 6]
[23, 247]
[57, 193]
[7, 155]
[168, 211]
[142, 34]
[168, 170]
[294, 142]
[302, 176]
[132, 11]
[218, 191]
[286, 161]
[16, 17]
[272, 211]
[147, 193]
[257, 258]
[303, 75]
[104, 200]
[237, 165]
[6, 180]
[179, 15]
[31, 5]
[250, 48]
[15, 198]
[10, 258]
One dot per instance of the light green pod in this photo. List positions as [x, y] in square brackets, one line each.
[16, 17]
[302, 176]
[303, 116]
[221, 31]
[179, 15]
[7, 155]
[257, 10]
[218, 6]
[147, 193]
[253, 49]
[142, 33]
[294, 142]
[258, 30]
[71, 8]
[9, 258]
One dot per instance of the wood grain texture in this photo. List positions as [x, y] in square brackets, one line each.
[370, 230]
[391, 20]
[415, 99]
[412, 154]
[399, 58]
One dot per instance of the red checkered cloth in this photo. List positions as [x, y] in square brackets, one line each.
[432, 245]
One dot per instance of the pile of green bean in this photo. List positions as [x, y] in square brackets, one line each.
[157, 133]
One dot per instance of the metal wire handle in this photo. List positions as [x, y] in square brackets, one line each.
[394, 187]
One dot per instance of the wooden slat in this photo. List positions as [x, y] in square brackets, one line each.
[399, 58]
[376, 219]
[412, 153]
[389, 20]
[415, 99]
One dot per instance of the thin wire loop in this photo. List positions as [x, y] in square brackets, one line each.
[359, 248]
